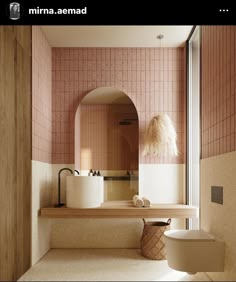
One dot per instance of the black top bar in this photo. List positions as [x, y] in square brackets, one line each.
[116, 12]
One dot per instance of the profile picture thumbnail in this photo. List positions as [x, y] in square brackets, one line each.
[15, 11]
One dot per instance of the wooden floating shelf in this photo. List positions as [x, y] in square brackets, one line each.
[122, 209]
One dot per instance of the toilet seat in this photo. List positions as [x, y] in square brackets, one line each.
[189, 235]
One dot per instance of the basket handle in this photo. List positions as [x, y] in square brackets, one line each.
[144, 221]
[169, 221]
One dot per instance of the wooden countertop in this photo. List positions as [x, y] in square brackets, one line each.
[122, 209]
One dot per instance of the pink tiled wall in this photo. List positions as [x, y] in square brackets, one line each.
[152, 85]
[41, 97]
[218, 90]
[105, 144]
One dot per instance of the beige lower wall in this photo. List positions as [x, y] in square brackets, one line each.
[96, 233]
[161, 183]
[44, 194]
[220, 219]
[41, 197]
[101, 233]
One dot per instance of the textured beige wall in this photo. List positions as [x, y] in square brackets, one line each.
[161, 183]
[100, 233]
[94, 233]
[220, 219]
[41, 197]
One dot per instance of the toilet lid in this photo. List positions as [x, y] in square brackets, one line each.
[189, 235]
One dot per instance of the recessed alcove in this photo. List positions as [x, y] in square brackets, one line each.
[107, 140]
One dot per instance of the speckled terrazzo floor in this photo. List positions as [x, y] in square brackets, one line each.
[104, 265]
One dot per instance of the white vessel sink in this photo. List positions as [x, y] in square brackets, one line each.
[84, 191]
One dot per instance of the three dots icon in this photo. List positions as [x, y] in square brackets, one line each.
[223, 10]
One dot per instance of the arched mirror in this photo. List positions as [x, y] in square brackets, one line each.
[106, 140]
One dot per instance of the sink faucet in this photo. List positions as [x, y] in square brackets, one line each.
[59, 204]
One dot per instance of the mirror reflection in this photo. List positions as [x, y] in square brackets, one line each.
[106, 141]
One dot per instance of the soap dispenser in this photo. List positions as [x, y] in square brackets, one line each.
[90, 172]
[94, 173]
[98, 173]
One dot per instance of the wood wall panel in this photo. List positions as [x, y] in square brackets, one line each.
[15, 150]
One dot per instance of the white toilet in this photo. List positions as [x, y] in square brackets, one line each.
[194, 251]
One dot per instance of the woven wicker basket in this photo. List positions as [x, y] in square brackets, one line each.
[152, 240]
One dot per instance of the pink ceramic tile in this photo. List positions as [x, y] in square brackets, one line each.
[95, 66]
[218, 85]
[228, 144]
[41, 95]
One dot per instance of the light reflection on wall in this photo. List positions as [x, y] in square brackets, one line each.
[86, 156]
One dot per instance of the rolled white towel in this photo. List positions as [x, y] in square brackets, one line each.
[138, 202]
[146, 202]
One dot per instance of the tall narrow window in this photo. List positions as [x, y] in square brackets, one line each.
[193, 123]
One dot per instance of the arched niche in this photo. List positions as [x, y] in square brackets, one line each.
[107, 139]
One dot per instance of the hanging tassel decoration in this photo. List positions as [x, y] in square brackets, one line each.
[160, 135]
